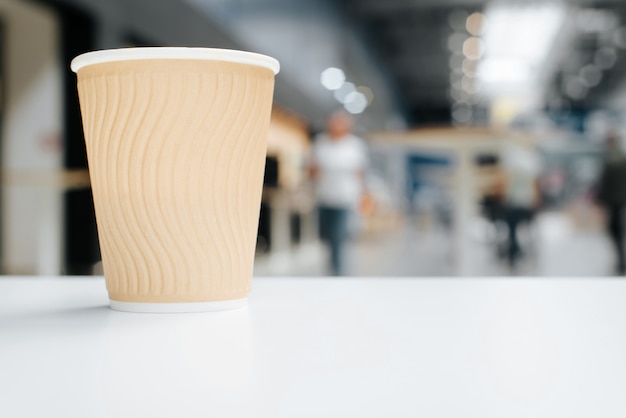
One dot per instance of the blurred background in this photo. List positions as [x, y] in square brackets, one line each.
[485, 125]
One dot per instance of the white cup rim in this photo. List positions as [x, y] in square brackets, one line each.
[211, 54]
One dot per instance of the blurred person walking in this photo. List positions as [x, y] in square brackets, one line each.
[338, 169]
[520, 194]
[611, 194]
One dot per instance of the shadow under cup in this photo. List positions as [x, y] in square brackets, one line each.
[176, 141]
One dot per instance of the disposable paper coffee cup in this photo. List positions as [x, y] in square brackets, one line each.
[176, 142]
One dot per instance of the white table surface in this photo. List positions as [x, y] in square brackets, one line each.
[320, 348]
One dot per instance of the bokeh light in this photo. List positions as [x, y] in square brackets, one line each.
[476, 24]
[332, 78]
[457, 19]
[605, 58]
[575, 88]
[456, 42]
[355, 102]
[591, 75]
[367, 92]
[342, 93]
[473, 48]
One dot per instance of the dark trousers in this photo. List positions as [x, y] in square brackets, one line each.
[514, 216]
[616, 232]
[334, 231]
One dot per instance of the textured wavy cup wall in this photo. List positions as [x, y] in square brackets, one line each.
[176, 153]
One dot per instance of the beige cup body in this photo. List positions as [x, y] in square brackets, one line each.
[176, 152]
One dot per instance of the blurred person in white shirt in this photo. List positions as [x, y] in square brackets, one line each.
[338, 168]
[521, 192]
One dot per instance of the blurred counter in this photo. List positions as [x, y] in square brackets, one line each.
[57, 179]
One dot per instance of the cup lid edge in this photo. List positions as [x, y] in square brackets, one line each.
[124, 54]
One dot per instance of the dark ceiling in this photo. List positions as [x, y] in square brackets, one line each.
[409, 39]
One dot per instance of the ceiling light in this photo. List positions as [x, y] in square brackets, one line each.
[517, 41]
[461, 114]
[457, 19]
[455, 95]
[455, 61]
[575, 88]
[573, 62]
[473, 48]
[475, 24]
[341, 94]
[591, 75]
[455, 42]
[494, 71]
[460, 96]
[605, 57]
[619, 37]
[595, 20]
[522, 31]
[367, 92]
[469, 67]
[332, 78]
[468, 85]
[355, 103]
